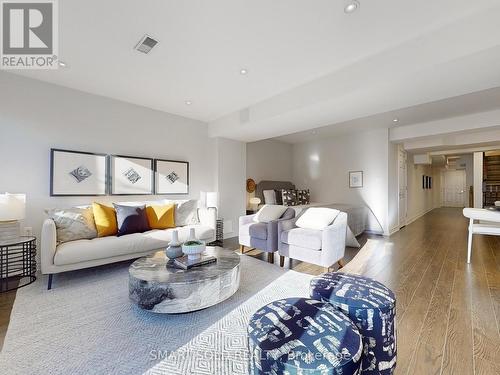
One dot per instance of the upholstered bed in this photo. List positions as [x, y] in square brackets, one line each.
[356, 214]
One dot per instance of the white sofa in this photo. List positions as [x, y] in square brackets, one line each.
[74, 255]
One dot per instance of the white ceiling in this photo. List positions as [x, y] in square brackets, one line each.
[309, 63]
[481, 101]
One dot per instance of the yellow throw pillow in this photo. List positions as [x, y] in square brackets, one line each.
[161, 217]
[105, 220]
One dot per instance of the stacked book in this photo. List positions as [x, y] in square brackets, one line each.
[186, 264]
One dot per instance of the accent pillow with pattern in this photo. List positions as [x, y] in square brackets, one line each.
[303, 197]
[73, 223]
[289, 197]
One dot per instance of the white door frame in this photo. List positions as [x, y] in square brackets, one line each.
[402, 187]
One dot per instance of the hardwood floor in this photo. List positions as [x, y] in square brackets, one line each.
[447, 311]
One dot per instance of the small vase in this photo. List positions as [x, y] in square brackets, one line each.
[192, 235]
[174, 249]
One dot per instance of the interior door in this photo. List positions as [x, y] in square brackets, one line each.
[403, 187]
[454, 188]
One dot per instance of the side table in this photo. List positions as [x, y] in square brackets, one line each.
[17, 263]
[219, 234]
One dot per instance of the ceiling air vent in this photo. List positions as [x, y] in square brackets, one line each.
[146, 44]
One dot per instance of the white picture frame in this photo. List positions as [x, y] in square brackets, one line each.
[77, 173]
[131, 175]
[356, 179]
[171, 177]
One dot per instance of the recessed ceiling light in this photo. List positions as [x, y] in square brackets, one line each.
[62, 64]
[314, 132]
[243, 71]
[189, 102]
[351, 7]
[395, 120]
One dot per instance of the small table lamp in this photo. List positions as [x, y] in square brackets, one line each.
[212, 199]
[255, 201]
[12, 209]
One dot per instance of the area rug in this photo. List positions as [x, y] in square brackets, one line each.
[86, 325]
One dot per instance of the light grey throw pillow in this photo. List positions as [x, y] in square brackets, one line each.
[186, 213]
[269, 197]
[73, 223]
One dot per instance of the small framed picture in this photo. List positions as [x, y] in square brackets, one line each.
[77, 173]
[356, 179]
[430, 182]
[130, 175]
[171, 177]
[424, 182]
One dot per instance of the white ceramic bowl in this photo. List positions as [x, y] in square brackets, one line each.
[193, 251]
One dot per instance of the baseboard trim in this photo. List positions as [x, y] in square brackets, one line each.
[418, 216]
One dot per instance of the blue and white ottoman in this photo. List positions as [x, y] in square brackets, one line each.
[303, 336]
[372, 307]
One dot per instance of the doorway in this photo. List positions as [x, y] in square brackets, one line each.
[454, 188]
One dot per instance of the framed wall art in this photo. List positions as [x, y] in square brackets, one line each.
[77, 173]
[130, 175]
[356, 179]
[171, 177]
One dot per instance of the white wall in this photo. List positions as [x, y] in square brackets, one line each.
[478, 179]
[230, 182]
[323, 166]
[36, 116]
[269, 160]
[421, 201]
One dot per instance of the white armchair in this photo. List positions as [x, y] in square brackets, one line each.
[321, 247]
[489, 224]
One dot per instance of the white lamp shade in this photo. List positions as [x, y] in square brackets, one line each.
[255, 200]
[12, 207]
[212, 199]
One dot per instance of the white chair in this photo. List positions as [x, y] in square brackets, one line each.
[489, 223]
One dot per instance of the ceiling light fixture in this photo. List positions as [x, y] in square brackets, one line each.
[189, 102]
[395, 120]
[243, 71]
[351, 7]
[62, 64]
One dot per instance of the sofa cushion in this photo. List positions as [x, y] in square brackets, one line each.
[73, 223]
[105, 220]
[186, 212]
[317, 218]
[303, 237]
[131, 219]
[269, 212]
[255, 230]
[161, 217]
[111, 246]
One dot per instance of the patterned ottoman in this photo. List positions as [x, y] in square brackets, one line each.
[303, 336]
[372, 307]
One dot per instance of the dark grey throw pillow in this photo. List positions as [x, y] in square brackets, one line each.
[289, 197]
[279, 198]
[131, 219]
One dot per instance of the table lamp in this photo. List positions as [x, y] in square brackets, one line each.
[255, 201]
[212, 199]
[12, 209]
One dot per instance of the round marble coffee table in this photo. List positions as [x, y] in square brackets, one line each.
[157, 286]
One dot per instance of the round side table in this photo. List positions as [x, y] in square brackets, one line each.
[17, 263]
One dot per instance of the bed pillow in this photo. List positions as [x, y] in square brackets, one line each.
[161, 217]
[186, 213]
[303, 197]
[269, 212]
[269, 197]
[317, 218]
[131, 219]
[73, 223]
[279, 198]
[105, 220]
[289, 197]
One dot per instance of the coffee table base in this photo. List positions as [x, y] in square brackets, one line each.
[182, 298]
